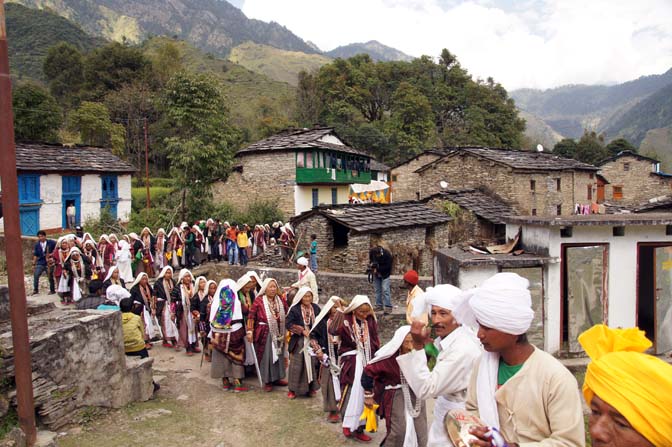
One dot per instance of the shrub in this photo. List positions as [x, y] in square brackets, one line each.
[106, 223]
[157, 194]
[260, 212]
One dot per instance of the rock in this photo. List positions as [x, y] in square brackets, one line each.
[46, 439]
[159, 379]
[4, 406]
[152, 414]
[182, 397]
[15, 438]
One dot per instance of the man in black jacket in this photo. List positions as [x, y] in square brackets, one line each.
[380, 261]
[42, 251]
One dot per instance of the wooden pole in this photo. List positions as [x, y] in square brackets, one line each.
[17, 290]
[147, 166]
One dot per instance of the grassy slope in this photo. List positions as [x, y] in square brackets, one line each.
[280, 65]
[244, 88]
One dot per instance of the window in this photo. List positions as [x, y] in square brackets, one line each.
[340, 233]
[618, 192]
[619, 231]
[591, 176]
[334, 196]
[316, 197]
[590, 192]
[626, 166]
[394, 178]
[668, 230]
[557, 184]
[558, 210]
[309, 159]
[300, 159]
[533, 185]
[534, 211]
[566, 232]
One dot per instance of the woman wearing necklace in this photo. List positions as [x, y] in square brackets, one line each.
[303, 367]
[200, 295]
[59, 256]
[203, 305]
[144, 305]
[89, 252]
[266, 330]
[113, 277]
[180, 308]
[247, 291]
[78, 272]
[163, 288]
[106, 254]
[358, 330]
[385, 384]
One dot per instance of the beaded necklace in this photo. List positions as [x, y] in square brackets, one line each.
[361, 338]
[414, 410]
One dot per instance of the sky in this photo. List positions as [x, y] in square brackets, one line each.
[520, 43]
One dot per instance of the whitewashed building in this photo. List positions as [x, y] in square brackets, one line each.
[50, 177]
[614, 269]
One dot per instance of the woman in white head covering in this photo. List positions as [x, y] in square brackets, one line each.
[90, 253]
[358, 330]
[204, 307]
[114, 240]
[114, 294]
[175, 248]
[200, 301]
[106, 254]
[266, 329]
[78, 273]
[159, 249]
[404, 413]
[246, 286]
[303, 373]
[227, 334]
[163, 288]
[144, 304]
[58, 258]
[180, 306]
[123, 257]
[113, 277]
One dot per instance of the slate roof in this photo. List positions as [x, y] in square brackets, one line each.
[517, 159]
[628, 154]
[378, 166]
[365, 218]
[663, 203]
[435, 151]
[42, 157]
[290, 139]
[479, 202]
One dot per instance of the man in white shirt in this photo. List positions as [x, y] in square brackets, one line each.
[458, 348]
[306, 278]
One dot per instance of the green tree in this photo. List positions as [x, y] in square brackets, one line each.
[590, 148]
[411, 124]
[111, 67]
[620, 145]
[201, 142]
[166, 61]
[565, 148]
[64, 69]
[37, 116]
[92, 121]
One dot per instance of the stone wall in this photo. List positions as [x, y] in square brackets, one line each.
[78, 362]
[264, 176]
[638, 182]
[465, 226]
[405, 182]
[466, 171]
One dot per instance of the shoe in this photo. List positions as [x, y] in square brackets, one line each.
[35, 292]
[281, 382]
[239, 387]
[190, 353]
[334, 417]
[196, 350]
[226, 385]
[291, 395]
[268, 387]
[346, 432]
[361, 437]
[165, 344]
[148, 346]
[312, 393]
[52, 292]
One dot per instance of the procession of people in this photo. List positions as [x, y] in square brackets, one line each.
[465, 350]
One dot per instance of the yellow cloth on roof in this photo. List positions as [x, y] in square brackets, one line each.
[638, 385]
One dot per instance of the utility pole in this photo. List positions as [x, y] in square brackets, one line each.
[10, 205]
[147, 165]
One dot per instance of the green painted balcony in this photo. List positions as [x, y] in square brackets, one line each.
[325, 175]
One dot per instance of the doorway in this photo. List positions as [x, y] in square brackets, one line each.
[654, 294]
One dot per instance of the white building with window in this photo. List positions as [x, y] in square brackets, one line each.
[51, 177]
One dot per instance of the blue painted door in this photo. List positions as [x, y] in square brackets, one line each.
[72, 193]
[110, 194]
[29, 203]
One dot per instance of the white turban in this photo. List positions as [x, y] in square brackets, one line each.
[503, 302]
[116, 293]
[302, 261]
[445, 296]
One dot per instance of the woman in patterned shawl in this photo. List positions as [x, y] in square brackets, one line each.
[303, 367]
[227, 337]
[266, 330]
[180, 308]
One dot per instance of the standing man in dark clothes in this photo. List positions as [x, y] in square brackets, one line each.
[42, 252]
[380, 265]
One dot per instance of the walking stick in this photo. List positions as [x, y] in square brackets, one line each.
[203, 351]
[256, 365]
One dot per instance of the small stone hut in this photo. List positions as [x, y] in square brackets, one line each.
[345, 233]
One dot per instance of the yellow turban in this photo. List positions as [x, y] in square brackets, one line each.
[639, 386]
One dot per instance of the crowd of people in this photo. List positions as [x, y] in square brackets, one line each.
[465, 349]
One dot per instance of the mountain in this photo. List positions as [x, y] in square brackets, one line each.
[373, 48]
[280, 65]
[571, 109]
[214, 26]
[30, 33]
[538, 132]
[658, 144]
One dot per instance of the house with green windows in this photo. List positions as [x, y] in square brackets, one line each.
[298, 169]
[51, 177]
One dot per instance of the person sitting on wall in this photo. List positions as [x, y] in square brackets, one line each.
[133, 329]
[95, 298]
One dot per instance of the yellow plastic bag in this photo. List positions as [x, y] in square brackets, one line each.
[179, 252]
[369, 414]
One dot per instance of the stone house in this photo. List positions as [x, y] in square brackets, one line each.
[533, 183]
[633, 179]
[297, 168]
[479, 216]
[51, 177]
[405, 181]
[345, 233]
[584, 270]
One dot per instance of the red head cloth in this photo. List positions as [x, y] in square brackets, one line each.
[411, 277]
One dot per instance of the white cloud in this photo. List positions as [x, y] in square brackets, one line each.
[532, 43]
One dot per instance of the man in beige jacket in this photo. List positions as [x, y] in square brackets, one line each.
[523, 392]
[306, 278]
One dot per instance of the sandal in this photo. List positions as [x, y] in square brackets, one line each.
[226, 385]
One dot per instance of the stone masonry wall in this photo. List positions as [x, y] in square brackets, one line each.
[638, 184]
[407, 182]
[466, 171]
[270, 176]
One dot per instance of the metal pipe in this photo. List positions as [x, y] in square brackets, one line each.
[147, 165]
[10, 206]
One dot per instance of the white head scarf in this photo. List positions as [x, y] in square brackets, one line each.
[164, 270]
[503, 302]
[299, 295]
[207, 284]
[183, 273]
[247, 277]
[445, 296]
[391, 347]
[73, 250]
[110, 271]
[325, 311]
[198, 280]
[138, 278]
[116, 293]
[161, 231]
[302, 261]
[359, 300]
[103, 237]
[265, 284]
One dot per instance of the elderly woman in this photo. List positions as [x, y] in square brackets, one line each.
[227, 335]
[629, 392]
[90, 253]
[159, 250]
[106, 254]
[175, 247]
[78, 273]
[144, 305]
[113, 278]
[358, 331]
[58, 258]
[303, 367]
[180, 308]
[266, 329]
[163, 288]
[202, 303]
[247, 291]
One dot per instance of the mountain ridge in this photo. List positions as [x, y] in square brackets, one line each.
[376, 50]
